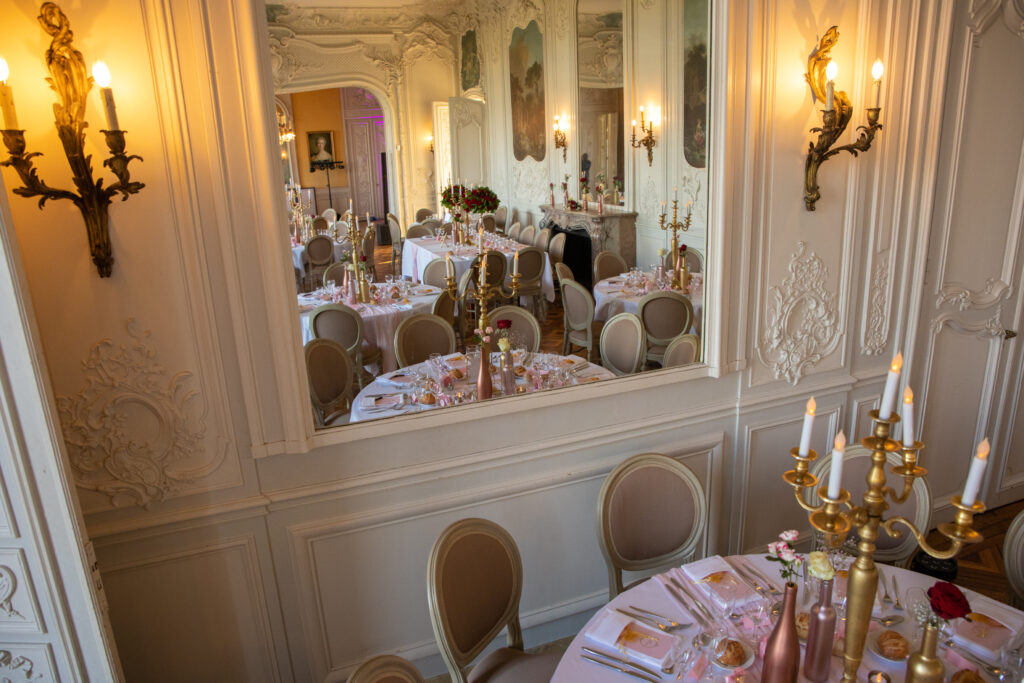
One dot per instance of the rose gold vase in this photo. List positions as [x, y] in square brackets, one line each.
[484, 389]
[782, 654]
[822, 629]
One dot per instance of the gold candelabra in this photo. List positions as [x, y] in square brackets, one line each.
[69, 79]
[834, 522]
[362, 286]
[647, 139]
[821, 73]
[680, 273]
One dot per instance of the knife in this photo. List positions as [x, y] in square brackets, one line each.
[698, 612]
[621, 670]
[747, 579]
[767, 582]
[709, 618]
[620, 660]
[648, 621]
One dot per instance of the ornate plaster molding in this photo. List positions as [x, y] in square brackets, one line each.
[15, 667]
[964, 298]
[801, 321]
[876, 333]
[647, 4]
[8, 586]
[990, 328]
[135, 432]
[983, 13]
[530, 180]
[649, 199]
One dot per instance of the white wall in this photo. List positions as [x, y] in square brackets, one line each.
[265, 552]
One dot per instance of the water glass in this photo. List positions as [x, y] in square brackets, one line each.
[473, 353]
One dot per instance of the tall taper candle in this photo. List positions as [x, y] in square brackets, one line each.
[835, 476]
[101, 74]
[908, 418]
[805, 435]
[515, 264]
[891, 383]
[7, 98]
[876, 73]
[451, 268]
[830, 73]
[975, 474]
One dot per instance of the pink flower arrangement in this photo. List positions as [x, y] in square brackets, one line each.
[780, 551]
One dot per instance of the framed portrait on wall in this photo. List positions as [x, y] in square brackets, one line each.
[321, 145]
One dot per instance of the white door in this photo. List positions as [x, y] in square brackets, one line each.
[469, 140]
[966, 362]
[365, 139]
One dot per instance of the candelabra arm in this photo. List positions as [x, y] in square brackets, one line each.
[899, 498]
[890, 524]
[798, 491]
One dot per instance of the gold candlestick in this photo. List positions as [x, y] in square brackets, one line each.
[679, 279]
[362, 286]
[834, 522]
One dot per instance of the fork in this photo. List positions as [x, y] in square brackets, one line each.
[661, 617]
[885, 598]
[650, 621]
[896, 593]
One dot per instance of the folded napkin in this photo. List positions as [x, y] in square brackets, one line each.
[720, 582]
[380, 402]
[959, 662]
[456, 361]
[399, 378]
[640, 643]
[992, 625]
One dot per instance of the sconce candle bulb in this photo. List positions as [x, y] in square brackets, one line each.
[101, 74]
[876, 73]
[908, 418]
[7, 98]
[830, 73]
[560, 141]
[975, 474]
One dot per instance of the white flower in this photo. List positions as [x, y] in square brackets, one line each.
[787, 555]
[790, 535]
[820, 567]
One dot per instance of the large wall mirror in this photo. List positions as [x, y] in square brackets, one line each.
[389, 297]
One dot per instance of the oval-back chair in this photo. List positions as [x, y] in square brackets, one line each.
[682, 350]
[665, 316]
[329, 370]
[501, 218]
[524, 330]
[580, 327]
[527, 235]
[423, 214]
[623, 344]
[416, 231]
[513, 232]
[543, 239]
[556, 248]
[386, 669]
[420, 335]
[608, 264]
[436, 273]
[344, 325]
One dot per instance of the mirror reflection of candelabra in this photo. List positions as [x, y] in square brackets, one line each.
[560, 139]
[647, 136]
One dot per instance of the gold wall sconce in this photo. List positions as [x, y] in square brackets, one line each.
[285, 132]
[821, 74]
[560, 140]
[69, 79]
[430, 143]
[646, 139]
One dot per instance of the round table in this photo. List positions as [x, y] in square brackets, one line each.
[652, 595]
[383, 387]
[419, 251]
[379, 320]
[611, 298]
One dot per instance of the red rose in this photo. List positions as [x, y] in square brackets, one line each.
[682, 248]
[947, 601]
[504, 324]
[362, 258]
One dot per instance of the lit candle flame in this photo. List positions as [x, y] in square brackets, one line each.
[831, 70]
[101, 73]
[908, 395]
[877, 69]
[983, 449]
[811, 406]
[4, 70]
[897, 362]
[840, 442]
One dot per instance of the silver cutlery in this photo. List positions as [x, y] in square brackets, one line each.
[662, 617]
[885, 598]
[650, 621]
[896, 593]
[621, 660]
[989, 669]
[621, 669]
[889, 621]
[772, 588]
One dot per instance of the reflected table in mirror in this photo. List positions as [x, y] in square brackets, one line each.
[615, 295]
[422, 387]
[300, 260]
[379, 320]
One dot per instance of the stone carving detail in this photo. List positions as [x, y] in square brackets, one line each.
[465, 113]
[983, 13]
[291, 59]
[563, 11]
[647, 4]
[801, 322]
[135, 432]
[8, 586]
[989, 328]
[14, 667]
[529, 180]
[649, 205]
[964, 299]
[876, 333]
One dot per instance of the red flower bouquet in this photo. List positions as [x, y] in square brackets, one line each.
[504, 324]
[947, 601]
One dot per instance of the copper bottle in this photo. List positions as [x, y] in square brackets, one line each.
[782, 653]
[820, 633]
[483, 379]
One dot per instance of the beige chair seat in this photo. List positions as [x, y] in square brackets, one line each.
[507, 665]
[579, 337]
[656, 352]
[371, 354]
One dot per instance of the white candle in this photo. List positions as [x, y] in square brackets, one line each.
[483, 271]
[7, 98]
[367, 219]
[908, 418]
[676, 191]
[350, 205]
[891, 383]
[451, 268]
[830, 73]
[101, 74]
[835, 476]
[515, 263]
[805, 435]
[876, 73]
[480, 238]
[975, 474]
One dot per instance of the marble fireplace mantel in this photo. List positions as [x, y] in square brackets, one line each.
[613, 230]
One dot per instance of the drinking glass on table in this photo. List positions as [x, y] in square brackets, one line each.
[473, 353]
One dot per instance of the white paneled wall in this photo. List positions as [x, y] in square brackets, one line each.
[265, 552]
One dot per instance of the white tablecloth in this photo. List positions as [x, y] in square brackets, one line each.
[652, 595]
[299, 259]
[610, 299]
[381, 387]
[379, 322]
[418, 252]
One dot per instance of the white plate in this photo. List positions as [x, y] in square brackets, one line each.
[745, 664]
[872, 644]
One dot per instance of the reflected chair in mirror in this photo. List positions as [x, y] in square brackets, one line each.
[563, 273]
[694, 261]
[330, 371]
[444, 307]
[395, 230]
[487, 221]
[651, 513]
[330, 214]
[683, 350]
[416, 231]
[445, 229]
[320, 226]
[513, 232]
[608, 264]
[556, 248]
[369, 251]
[501, 218]
[436, 273]
[917, 508]
[468, 308]
[474, 583]
[386, 669]
[319, 254]
[344, 326]
[336, 272]
[1013, 560]
[532, 262]
[543, 239]
[527, 235]
[433, 224]
[420, 335]
[497, 266]
[524, 331]
[623, 344]
[580, 327]
[423, 214]
[665, 316]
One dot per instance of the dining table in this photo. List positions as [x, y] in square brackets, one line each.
[300, 260]
[419, 387]
[419, 251]
[380, 320]
[674, 596]
[614, 295]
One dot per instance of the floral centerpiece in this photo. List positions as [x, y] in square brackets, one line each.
[451, 197]
[574, 205]
[783, 553]
[584, 185]
[782, 650]
[945, 602]
[480, 200]
[565, 188]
